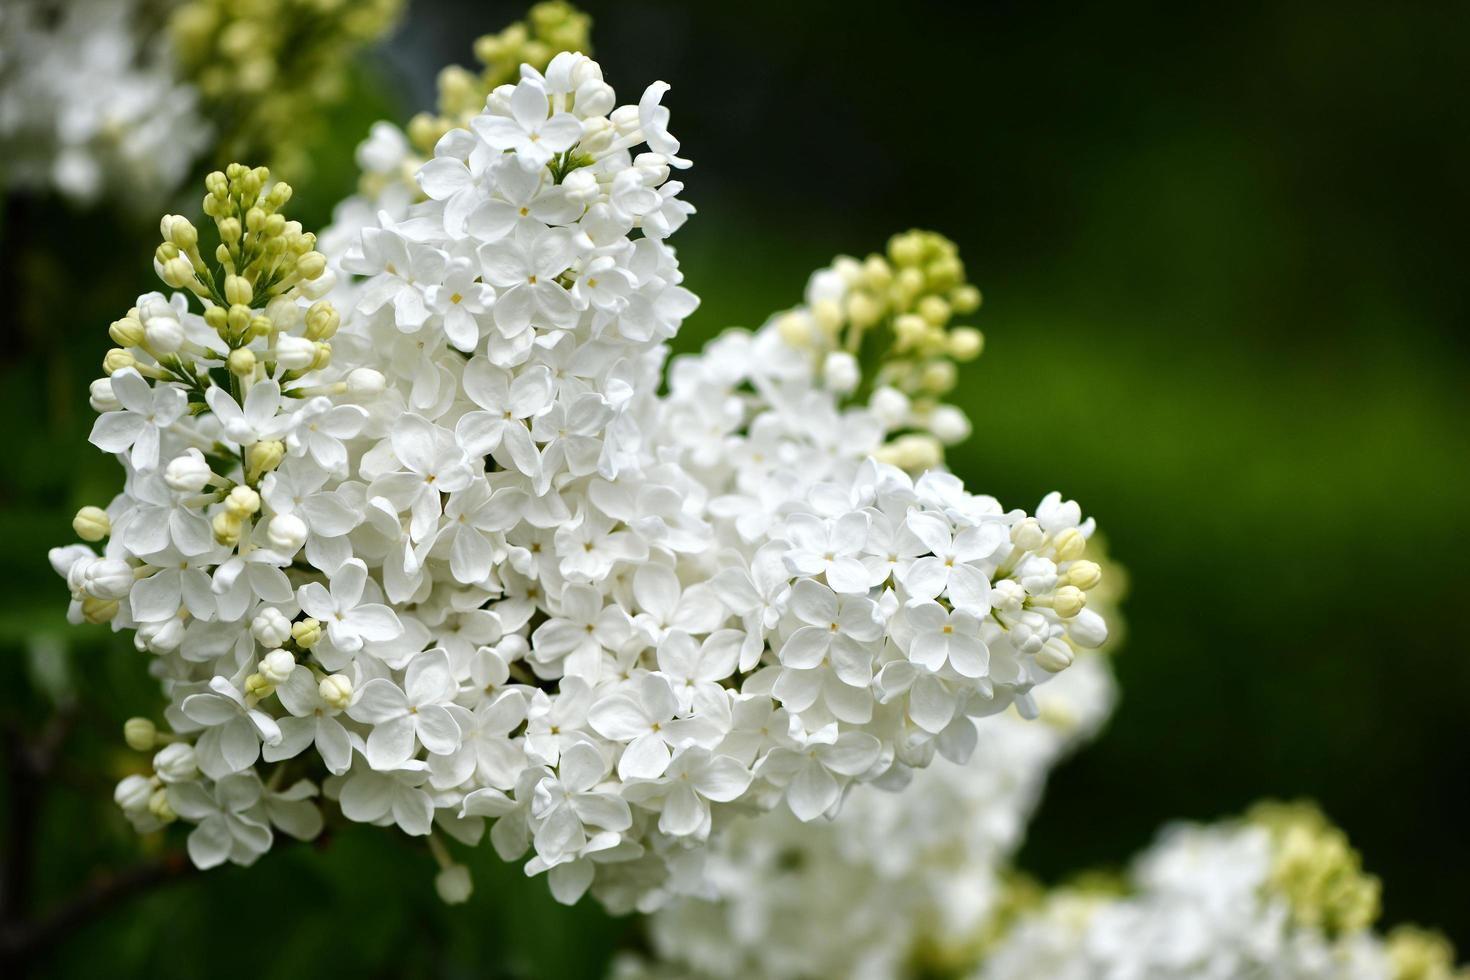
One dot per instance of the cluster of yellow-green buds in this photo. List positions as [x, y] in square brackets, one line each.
[262, 263]
[549, 29]
[1316, 869]
[1422, 954]
[896, 315]
[266, 67]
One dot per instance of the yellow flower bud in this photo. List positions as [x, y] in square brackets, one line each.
[306, 633]
[262, 457]
[229, 230]
[964, 298]
[1068, 601]
[158, 805]
[934, 310]
[117, 359]
[322, 321]
[226, 528]
[242, 362]
[95, 610]
[91, 524]
[1069, 545]
[944, 273]
[217, 318]
[238, 291]
[939, 377]
[863, 310]
[127, 332]
[795, 330]
[965, 343]
[140, 734]
[243, 501]
[258, 686]
[1083, 574]
[905, 250]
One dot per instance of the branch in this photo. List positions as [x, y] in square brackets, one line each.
[21, 940]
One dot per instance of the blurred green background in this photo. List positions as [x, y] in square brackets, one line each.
[1225, 310]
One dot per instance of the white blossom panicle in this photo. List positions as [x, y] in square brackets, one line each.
[450, 560]
[90, 105]
[1279, 894]
[899, 883]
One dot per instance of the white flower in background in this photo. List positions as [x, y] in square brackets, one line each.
[89, 104]
[1279, 894]
[454, 556]
[901, 883]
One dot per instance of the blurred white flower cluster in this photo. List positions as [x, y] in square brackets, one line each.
[452, 560]
[1279, 894]
[90, 105]
[896, 880]
[119, 100]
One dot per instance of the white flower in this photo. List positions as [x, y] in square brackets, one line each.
[144, 413]
[233, 729]
[946, 637]
[348, 620]
[524, 267]
[403, 718]
[694, 779]
[829, 548]
[531, 131]
[231, 825]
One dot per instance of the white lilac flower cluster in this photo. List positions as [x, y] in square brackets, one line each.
[89, 103]
[921, 873]
[1278, 895]
[453, 560]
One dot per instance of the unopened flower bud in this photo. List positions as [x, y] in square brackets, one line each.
[226, 527]
[242, 502]
[140, 734]
[238, 291]
[158, 805]
[91, 524]
[863, 310]
[259, 687]
[126, 332]
[306, 633]
[1084, 574]
[270, 627]
[322, 321]
[132, 793]
[336, 690]
[841, 372]
[949, 425]
[934, 310]
[264, 456]
[276, 666]
[964, 298]
[177, 272]
[454, 885]
[1068, 601]
[164, 636]
[939, 377]
[188, 473]
[242, 362]
[1088, 630]
[1027, 534]
[175, 763]
[795, 330]
[117, 359]
[365, 382]
[287, 533]
[311, 265]
[965, 343]
[1069, 545]
[95, 610]
[295, 353]
[1054, 656]
[891, 406]
[165, 334]
[108, 578]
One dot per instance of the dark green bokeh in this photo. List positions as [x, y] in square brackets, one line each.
[1224, 305]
